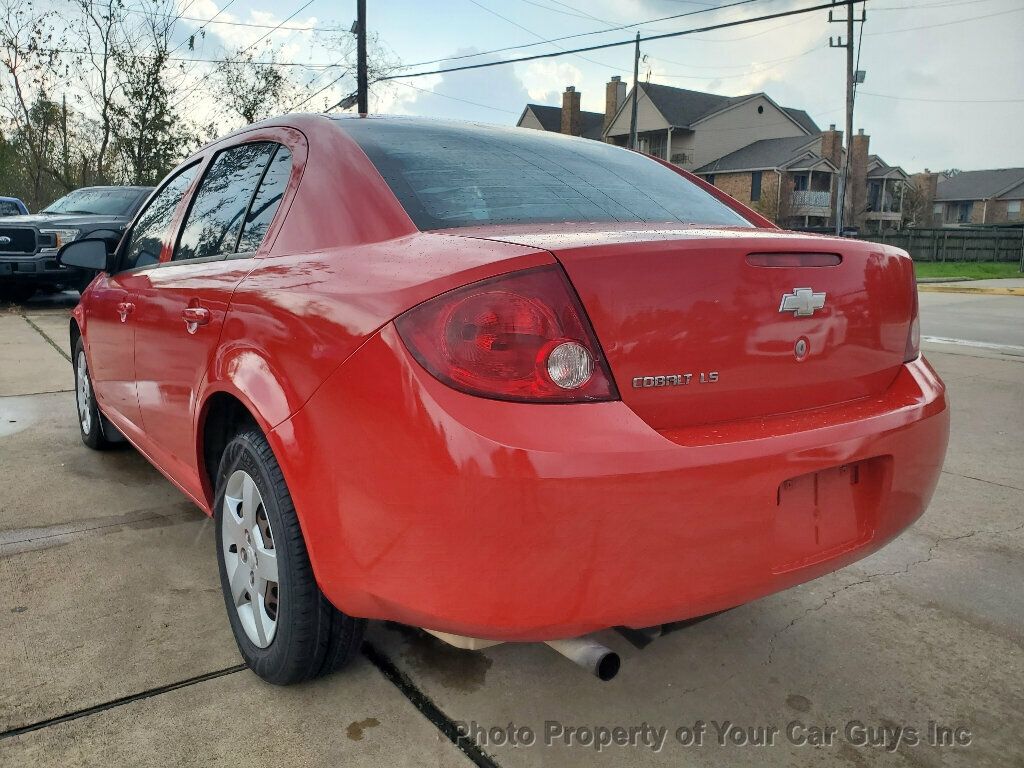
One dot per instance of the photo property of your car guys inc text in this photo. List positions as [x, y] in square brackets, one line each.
[511, 384]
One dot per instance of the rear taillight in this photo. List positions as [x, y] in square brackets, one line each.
[521, 336]
[914, 336]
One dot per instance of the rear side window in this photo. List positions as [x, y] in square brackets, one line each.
[148, 234]
[268, 197]
[214, 221]
[453, 175]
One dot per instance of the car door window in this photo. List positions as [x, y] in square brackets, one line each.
[218, 210]
[147, 237]
[268, 197]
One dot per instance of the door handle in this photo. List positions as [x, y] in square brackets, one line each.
[194, 317]
[124, 309]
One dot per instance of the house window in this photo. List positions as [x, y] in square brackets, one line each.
[710, 179]
[800, 182]
[1013, 209]
[937, 213]
[656, 144]
[963, 211]
[755, 186]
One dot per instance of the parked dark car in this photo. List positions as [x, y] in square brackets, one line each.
[29, 243]
[12, 206]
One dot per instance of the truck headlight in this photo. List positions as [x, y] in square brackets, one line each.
[58, 237]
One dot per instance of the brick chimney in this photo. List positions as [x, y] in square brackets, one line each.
[832, 145]
[614, 95]
[928, 184]
[857, 196]
[571, 124]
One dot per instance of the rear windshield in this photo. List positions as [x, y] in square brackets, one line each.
[453, 175]
[111, 201]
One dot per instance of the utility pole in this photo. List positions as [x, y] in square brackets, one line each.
[844, 170]
[361, 84]
[636, 92]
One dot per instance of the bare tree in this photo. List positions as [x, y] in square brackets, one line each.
[150, 134]
[100, 25]
[253, 89]
[29, 64]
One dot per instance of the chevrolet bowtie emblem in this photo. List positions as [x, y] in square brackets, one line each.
[802, 302]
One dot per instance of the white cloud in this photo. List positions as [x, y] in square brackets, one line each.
[547, 78]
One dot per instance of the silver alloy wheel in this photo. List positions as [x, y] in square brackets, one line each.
[250, 558]
[83, 393]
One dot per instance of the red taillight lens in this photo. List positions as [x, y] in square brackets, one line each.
[521, 336]
[914, 336]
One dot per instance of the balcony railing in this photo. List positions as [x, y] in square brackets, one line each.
[812, 198]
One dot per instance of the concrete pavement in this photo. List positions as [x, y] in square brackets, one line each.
[116, 649]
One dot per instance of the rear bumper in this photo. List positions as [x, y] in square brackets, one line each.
[529, 522]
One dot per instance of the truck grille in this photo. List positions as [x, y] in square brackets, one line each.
[17, 240]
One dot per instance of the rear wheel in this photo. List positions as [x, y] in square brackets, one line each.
[285, 628]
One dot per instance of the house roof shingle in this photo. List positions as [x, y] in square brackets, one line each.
[682, 107]
[979, 185]
[591, 123]
[803, 119]
[766, 153]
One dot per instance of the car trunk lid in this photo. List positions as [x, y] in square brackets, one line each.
[709, 325]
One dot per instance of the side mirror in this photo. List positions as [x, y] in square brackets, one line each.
[90, 253]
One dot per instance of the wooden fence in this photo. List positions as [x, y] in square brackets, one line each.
[956, 244]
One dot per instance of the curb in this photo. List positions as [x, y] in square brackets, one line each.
[966, 289]
[926, 280]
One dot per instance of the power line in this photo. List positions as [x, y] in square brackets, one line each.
[193, 35]
[583, 34]
[942, 101]
[195, 59]
[225, 22]
[260, 39]
[747, 73]
[947, 23]
[578, 15]
[531, 32]
[456, 98]
[312, 96]
[603, 46]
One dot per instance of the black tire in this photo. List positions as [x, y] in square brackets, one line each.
[16, 293]
[95, 430]
[311, 638]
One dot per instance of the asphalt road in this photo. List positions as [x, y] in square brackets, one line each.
[115, 649]
[973, 317]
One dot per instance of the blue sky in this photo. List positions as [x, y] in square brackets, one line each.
[940, 73]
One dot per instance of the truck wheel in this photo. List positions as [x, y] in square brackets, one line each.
[16, 293]
[285, 628]
[91, 422]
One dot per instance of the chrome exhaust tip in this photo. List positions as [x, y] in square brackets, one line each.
[598, 660]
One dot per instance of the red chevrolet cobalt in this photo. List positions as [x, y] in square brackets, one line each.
[499, 384]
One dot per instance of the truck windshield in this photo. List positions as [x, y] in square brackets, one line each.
[463, 175]
[103, 202]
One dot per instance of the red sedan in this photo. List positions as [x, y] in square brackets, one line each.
[499, 383]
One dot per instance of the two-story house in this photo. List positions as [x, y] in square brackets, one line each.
[977, 197]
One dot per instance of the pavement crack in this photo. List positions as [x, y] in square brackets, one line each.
[48, 340]
[428, 708]
[870, 579]
[119, 702]
[982, 480]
